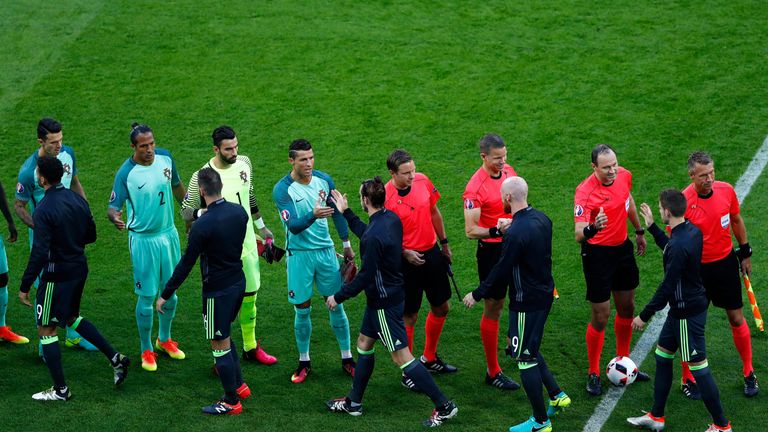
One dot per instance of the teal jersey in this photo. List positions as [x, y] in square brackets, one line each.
[27, 188]
[147, 192]
[296, 201]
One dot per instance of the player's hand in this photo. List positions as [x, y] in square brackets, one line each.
[469, 301]
[746, 266]
[266, 233]
[349, 254]
[321, 211]
[339, 200]
[503, 224]
[413, 257]
[159, 305]
[24, 297]
[601, 221]
[13, 234]
[638, 324]
[446, 250]
[117, 219]
[642, 244]
[331, 303]
[647, 214]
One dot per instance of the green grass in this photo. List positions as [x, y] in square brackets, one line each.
[358, 80]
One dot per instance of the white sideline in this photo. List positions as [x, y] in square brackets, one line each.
[606, 406]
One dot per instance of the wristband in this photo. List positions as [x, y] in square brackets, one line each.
[744, 251]
[444, 241]
[494, 232]
[346, 244]
[259, 223]
[590, 231]
[197, 213]
[640, 231]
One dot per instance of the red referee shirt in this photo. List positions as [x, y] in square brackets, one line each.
[713, 217]
[415, 212]
[614, 199]
[484, 192]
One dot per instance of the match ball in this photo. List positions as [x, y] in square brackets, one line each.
[621, 371]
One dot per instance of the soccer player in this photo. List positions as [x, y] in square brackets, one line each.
[29, 193]
[525, 265]
[5, 331]
[146, 183]
[236, 174]
[217, 238]
[63, 226]
[301, 199]
[482, 209]
[413, 197]
[683, 329]
[381, 278]
[603, 203]
[714, 208]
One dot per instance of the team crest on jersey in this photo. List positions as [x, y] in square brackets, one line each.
[285, 214]
[167, 173]
[578, 210]
[244, 176]
[67, 168]
[725, 221]
[19, 188]
[322, 195]
[468, 204]
[112, 196]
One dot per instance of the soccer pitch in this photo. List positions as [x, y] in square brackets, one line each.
[358, 80]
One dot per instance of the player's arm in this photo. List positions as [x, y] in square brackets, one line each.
[187, 261]
[364, 278]
[179, 191]
[472, 227]
[634, 218]
[439, 226]
[745, 250]
[13, 234]
[294, 223]
[342, 204]
[77, 187]
[192, 202]
[38, 257]
[672, 275]
[117, 198]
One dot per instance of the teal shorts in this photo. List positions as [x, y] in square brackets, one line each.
[3, 258]
[252, 273]
[312, 267]
[154, 256]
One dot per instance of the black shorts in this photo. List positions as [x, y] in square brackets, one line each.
[58, 302]
[221, 309]
[488, 255]
[430, 278]
[525, 332]
[385, 325]
[686, 335]
[609, 268]
[722, 280]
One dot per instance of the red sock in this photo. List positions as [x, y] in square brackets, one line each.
[489, 333]
[595, 341]
[409, 329]
[622, 327]
[432, 329]
[687, 375]
[743, 344]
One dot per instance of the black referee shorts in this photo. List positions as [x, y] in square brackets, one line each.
[722, 280]
[609, 268]
[488, 255]
[430, 278]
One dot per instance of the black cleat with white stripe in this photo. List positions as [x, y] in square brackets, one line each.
[438, 365]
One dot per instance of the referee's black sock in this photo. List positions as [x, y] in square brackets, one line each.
[531, 378]
[662, 383]
[709, 393]
[92, 335]
[419, 374]
[553, 389]
[365, 363]
[52, 356]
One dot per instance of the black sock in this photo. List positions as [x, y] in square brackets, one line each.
[236, 363]
[419, 374]
[88, 331]
[363, 372]
[553, 389]
[710, 394]
[52, 356]
[227, 376]
[661, 385]
[531, 377]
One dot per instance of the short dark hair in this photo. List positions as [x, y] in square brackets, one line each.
[51, 169]
[373, 189]
[222, 133]
[210, 181]
[600, 149]
[698, 157]
[47, 126]
[298, 145]
[397, 158]
[138, 129]
[674, 201]
[490, 141]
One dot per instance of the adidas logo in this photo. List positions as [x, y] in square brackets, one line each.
[397, 342]
[54, 320]
[693, 353]
[218, 333]
[526, 352]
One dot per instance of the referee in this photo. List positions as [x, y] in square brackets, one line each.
[382, 280]
[525, 266]
[217, 238]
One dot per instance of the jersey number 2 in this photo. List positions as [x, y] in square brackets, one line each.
[162, 197]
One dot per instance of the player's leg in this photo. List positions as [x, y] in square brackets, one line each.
[487, 256]
[50, 312]
[328, 280]
[252, 349]
[625, 280]
[525, 332]
[415, 370]
[595, 338]
[743, 342]
[5, 331]
[558, 399]
[167, 250]
[598, 266]
[414, 293]
[437, 288]
[693, 350]
[145, 284]
[300, 270]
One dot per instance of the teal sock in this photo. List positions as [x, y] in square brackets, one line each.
[3, 304]
[144, 318]
[166, 319]
[340, 325]
[302, 328]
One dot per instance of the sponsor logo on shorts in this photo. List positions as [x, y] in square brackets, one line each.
[112, 196]
[725, 221]
[578, 210]
[19, 188]
[285, 215]
[468, 204]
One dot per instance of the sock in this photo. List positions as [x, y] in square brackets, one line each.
[226, 374]
[433, 327]
[92, 335]
[531, 378]
[409, 330]
[622, 327]
[489, 333]
[3, 304]
[709, 393]
[166, 319]
[302, 329]
[365, 363]
[248, 322]
[418, 373]
[340, 326]
[553, 389]
[236, 363]
[144, 318]
[687, 375]
[743, 344]
[662, 382]
[595, 341]
[52, 356]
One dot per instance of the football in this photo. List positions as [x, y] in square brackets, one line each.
[621, 371]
